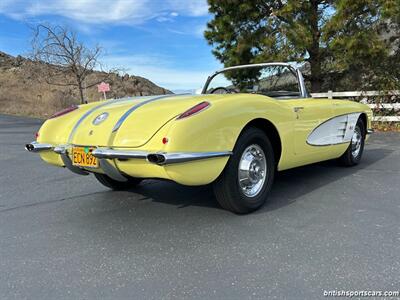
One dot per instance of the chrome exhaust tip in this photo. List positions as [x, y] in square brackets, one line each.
[156, 158]
[36, 147]
[29, 147]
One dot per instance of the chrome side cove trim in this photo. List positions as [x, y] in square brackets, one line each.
[36, 147]
[370, 131]
[135, 107]
[121, 154]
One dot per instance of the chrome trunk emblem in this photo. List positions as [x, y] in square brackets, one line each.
[100, 118]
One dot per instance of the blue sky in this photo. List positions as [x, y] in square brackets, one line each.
[161, 40]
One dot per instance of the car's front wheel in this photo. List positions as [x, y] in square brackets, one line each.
[117, 185]
[354, 152]
[247, 178]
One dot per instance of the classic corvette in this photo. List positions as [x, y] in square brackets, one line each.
[249, 122]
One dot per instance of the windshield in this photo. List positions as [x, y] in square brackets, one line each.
[274, 81]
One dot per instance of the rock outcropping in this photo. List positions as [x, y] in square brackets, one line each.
[24, 92]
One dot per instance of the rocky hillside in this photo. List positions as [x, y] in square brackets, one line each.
[23, 92]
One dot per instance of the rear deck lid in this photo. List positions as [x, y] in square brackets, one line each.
[130, 122]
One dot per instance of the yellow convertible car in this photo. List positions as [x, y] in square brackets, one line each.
[249, 122]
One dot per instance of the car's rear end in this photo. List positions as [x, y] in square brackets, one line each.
[142, 137]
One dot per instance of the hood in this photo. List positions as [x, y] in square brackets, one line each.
[130, 122]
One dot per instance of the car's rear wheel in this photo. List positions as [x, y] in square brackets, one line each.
[247, 178]
[117, 185]
[354, 152]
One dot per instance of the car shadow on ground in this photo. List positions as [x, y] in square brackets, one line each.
[289, 185]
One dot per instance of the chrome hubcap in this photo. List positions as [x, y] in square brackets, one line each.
[252, 170]
[356, 140]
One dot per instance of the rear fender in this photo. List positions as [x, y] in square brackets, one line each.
[215, 129]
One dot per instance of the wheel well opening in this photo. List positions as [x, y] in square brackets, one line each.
[272, 133]
[363, 117]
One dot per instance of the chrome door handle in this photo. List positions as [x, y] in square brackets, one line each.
[298, 108]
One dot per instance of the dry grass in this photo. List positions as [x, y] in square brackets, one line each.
[386, 126]
[24, 92]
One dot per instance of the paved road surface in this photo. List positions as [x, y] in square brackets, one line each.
[66, 236]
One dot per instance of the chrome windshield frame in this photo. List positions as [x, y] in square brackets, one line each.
[294, 70]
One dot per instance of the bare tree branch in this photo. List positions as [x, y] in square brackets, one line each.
[67, 61]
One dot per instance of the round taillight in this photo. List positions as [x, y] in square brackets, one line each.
[165, 140]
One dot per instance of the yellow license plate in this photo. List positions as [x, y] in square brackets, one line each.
[82, 157]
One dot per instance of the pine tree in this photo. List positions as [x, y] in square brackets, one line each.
[339, 39]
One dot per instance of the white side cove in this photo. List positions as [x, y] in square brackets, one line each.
[337, 130]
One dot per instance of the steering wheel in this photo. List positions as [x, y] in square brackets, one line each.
[220, 90]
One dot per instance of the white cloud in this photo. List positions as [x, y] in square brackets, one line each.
[89, 15]
[190, 7]
[157, 69]
[105, 11]
[197, 30]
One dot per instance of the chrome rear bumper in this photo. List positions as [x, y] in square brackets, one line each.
[158, 158]
[111, 169]
[120, 154]
[180, 157]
